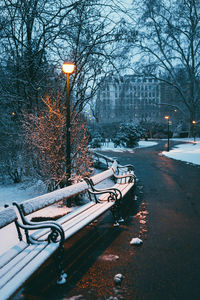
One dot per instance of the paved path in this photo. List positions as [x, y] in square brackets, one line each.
[167, 265]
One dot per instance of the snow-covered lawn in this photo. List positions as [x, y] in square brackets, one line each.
[141, 144]
[20, 191]
[189, 153]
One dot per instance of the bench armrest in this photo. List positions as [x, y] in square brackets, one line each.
[114, 193]
[52, 236]
[28, 222]
[111, 197]
[130, 176]
[56, 229]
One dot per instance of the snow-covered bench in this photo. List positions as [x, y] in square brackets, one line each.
[22, 260]
[110, 199]
[98, 157]
[104, 200]
[125, 183]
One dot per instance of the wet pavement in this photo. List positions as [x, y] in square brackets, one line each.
[166, 217]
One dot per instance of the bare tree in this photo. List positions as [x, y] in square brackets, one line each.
[36, 36]
[169, 45]
[27, 36]
[94, 43]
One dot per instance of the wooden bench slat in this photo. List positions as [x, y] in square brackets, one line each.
[16, 265]
[127, 188]
[77, 211]
[101, 209]
[124, 188]
[9, 255]
[75, 222]
[102, 176]
[91, 211]
[16, 260]
[31, 205]
[43, 233]
[26, 269]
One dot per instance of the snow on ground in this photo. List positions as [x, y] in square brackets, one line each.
[141, 144]
[189, 153]
[19, 192]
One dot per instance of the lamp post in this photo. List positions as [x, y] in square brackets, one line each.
[168, 122]
[194, 129]
[68, 68]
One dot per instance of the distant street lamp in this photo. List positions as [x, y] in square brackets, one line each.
[68, 68]
[194, 129]
[168, 119]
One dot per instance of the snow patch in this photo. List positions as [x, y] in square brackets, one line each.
[141, 144]
[136, 241]
[189, 153]
[118, 279]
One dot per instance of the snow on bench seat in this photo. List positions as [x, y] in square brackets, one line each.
[86, 218]
[79, 218]
[20, 262]
[32, 205]
[15, 273]
[67, 218]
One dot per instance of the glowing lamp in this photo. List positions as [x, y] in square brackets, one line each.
[68, 67]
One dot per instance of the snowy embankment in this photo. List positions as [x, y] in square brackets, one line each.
[189, 153]
[110, 146]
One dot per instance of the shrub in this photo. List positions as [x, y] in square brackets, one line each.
[128, 135]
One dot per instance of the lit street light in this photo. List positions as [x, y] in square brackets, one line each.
[194, 129]
[168, 119]
[68, 68]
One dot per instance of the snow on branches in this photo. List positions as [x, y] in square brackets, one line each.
[46, 137]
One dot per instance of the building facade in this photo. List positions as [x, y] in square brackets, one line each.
[129, 98]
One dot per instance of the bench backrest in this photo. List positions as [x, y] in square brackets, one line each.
[7, 216]
[32, 205]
